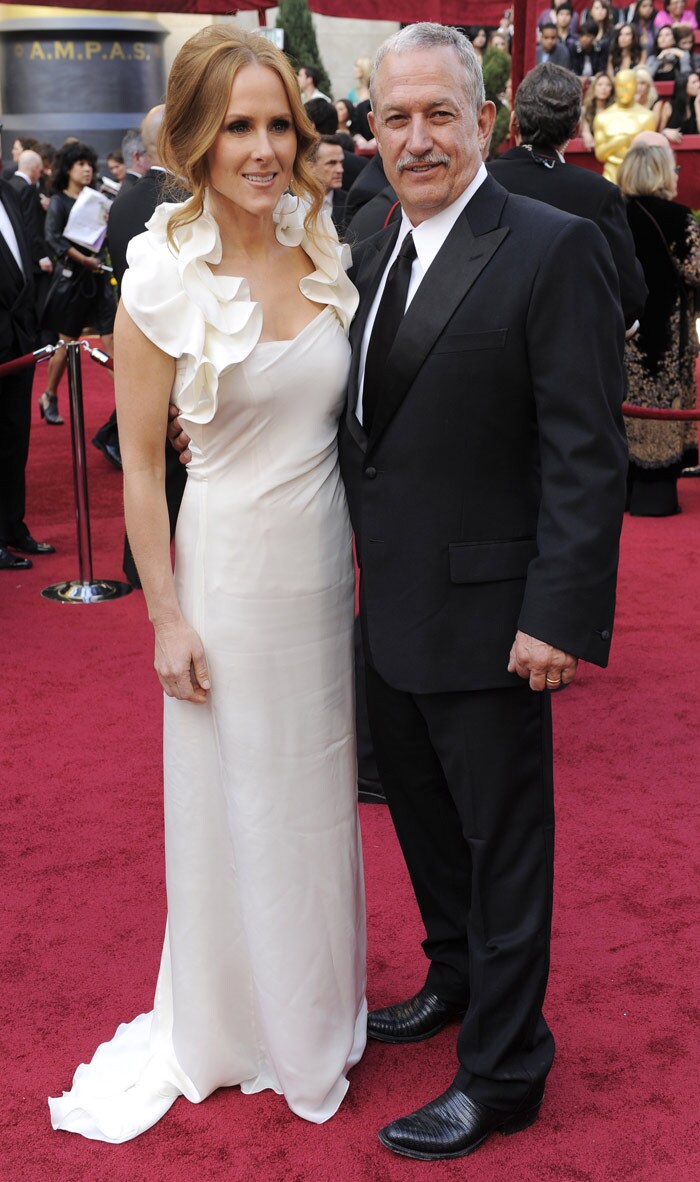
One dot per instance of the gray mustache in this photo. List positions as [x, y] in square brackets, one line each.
[430, 158]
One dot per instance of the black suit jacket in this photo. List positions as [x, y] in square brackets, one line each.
[17, 319]
[577, 190]
[489, 496]
[33, 216]
[130, 212]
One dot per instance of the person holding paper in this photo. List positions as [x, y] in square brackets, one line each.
[81, 293]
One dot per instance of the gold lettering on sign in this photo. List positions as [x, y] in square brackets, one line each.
[63, 49]
[139, 51]
[117, 51]
[92, 48]
[37, 51]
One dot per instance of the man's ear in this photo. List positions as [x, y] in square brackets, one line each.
[513, 129]
[373, 128]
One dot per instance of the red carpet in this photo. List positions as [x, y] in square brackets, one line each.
[85, 908]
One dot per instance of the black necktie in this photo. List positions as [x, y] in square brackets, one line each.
[386, 325]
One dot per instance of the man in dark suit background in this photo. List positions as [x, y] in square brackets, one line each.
[546, 116]
[17, 337]
[484, 456]
[25, 181]
[128, 218]
[326, 162]
[136, 160]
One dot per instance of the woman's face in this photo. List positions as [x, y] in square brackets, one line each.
[598, 11]
[117, 168]
[693, 86]
[250, 162]
[603, 87]
[498, 41]
[646, 9]
[687, 42]
[625, 37]
[342, 110]
[17, 150]
[676, 8]
[80, 173]
[642, 90]
[665, 38]
[480, 39]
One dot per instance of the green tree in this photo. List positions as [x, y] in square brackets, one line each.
[300, 43]
[496, 68]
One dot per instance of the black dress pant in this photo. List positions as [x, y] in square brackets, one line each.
[468, 780]
[175, 481]
[15, 422]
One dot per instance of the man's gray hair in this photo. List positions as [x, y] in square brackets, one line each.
[548, 106]
[131, 143]
[427, 35]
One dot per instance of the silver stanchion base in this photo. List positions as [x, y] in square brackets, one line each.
[78, 592]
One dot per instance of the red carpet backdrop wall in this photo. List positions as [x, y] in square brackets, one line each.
[84, 907]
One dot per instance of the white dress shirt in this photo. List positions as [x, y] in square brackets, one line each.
[429, 237]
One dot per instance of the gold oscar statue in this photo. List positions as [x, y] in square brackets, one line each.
[615, 128]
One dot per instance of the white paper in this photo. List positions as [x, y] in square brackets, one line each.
[87, 223]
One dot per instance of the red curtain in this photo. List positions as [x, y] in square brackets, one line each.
[446, 12]
[208, 7]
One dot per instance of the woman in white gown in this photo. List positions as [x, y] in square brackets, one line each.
[236, 307]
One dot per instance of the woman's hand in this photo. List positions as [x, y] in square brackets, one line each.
[180, 662]
[91, 263]
[673, 135]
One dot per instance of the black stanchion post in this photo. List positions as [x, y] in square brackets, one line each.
[80, 484]
[85, 589]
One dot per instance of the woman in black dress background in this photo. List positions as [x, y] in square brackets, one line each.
[660, 359]
[81, 293]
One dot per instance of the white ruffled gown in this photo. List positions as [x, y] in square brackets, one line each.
[262, 978]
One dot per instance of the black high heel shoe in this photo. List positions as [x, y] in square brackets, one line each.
[48, 409]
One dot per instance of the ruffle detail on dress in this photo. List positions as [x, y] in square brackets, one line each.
[208, 322]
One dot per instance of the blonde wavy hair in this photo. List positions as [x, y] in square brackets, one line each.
[195, 107]
[647, 171]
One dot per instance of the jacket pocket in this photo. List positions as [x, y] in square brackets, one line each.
[464, 341]
[490, 562]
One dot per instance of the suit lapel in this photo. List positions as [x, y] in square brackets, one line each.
[369, 273]
[6, 254]
[469, 247]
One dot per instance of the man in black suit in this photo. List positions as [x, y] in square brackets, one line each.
[136, 160]
[17, 337]
[484, 456]
[128, 217]
[24, 181]
[326, 163]
[546, 116]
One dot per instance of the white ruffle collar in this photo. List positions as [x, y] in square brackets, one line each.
[209, 322]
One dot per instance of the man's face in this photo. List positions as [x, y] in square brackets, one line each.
[563, 20]
[429, 136]
[585, 40]
[302, 79]
[549, 39]
[328, 166]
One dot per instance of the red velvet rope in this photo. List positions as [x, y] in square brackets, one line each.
[28, 359]
[18, 363]
[664, 413]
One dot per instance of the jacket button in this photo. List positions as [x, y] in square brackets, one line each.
[370, 473]
[605, 634]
